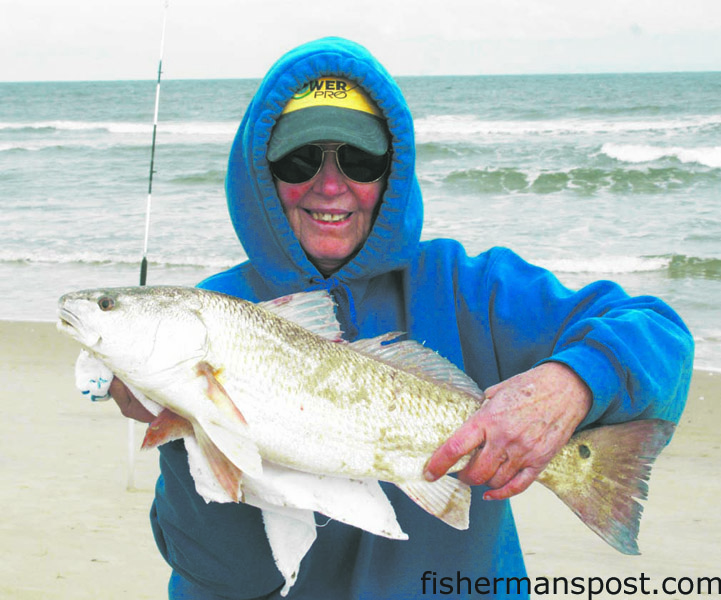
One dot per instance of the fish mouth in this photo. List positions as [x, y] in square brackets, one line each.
[67, 321]
[70, 324]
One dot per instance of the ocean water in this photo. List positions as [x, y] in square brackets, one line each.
[593, 176]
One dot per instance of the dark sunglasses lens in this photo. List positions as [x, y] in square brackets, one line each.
[298, 166]
[361, 166]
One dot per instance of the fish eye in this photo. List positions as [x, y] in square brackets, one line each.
[106, 303]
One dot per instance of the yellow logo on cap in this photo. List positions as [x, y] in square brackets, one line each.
[332, 91]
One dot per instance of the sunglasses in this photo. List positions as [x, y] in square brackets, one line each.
[305, 163]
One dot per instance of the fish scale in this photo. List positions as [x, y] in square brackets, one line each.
[343, 414]
[316, 404]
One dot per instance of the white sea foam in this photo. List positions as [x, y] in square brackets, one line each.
[30, 136]
[431, 126]
[608, 265]
[103, 257]
[709, 156]
[213, 128]
[119, 126]
[454, 127]
[38, 145]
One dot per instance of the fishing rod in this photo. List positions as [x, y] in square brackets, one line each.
[144, 262]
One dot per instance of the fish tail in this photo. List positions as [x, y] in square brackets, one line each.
[601, 472]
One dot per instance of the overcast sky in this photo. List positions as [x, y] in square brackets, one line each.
[120, 39]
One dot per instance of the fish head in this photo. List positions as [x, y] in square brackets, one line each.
[138, 332]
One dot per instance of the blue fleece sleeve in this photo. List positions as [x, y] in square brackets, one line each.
[634, 353]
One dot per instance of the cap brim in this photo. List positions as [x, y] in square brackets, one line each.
[327, 123]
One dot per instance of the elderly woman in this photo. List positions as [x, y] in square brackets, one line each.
[322, 193]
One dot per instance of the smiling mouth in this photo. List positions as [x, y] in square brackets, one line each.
[329, 217]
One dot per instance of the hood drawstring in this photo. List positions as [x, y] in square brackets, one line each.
[344, 300]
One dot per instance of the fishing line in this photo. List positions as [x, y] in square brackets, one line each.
[144, 262]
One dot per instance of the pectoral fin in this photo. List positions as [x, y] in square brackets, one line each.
[448, 499]
[217, 394]
[228, 430]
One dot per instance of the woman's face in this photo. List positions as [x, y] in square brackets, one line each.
[330, 215]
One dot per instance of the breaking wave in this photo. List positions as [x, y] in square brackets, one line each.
[436, 128]
[582, 180]
[40, 135]
[608, 265]
[214, 176]
[675, 266]
[681, 266]
[107, 259]
[173, 127]
[709, 156]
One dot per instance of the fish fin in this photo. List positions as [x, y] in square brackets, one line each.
[230, 436]
[314, 311]
[290, 533]
[166, 427]
[217, 394]
[600, 472]
[226, 473]
[418, 359]
[232, 442]
[206, 483]
[361, 503]
[448, 499]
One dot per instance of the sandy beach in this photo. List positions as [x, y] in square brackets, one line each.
[73, 528]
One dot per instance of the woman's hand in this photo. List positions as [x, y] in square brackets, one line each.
[523, 423]
[129, 405]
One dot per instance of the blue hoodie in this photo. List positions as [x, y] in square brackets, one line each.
[493, 315]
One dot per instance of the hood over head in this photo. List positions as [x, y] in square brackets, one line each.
[255, 209]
